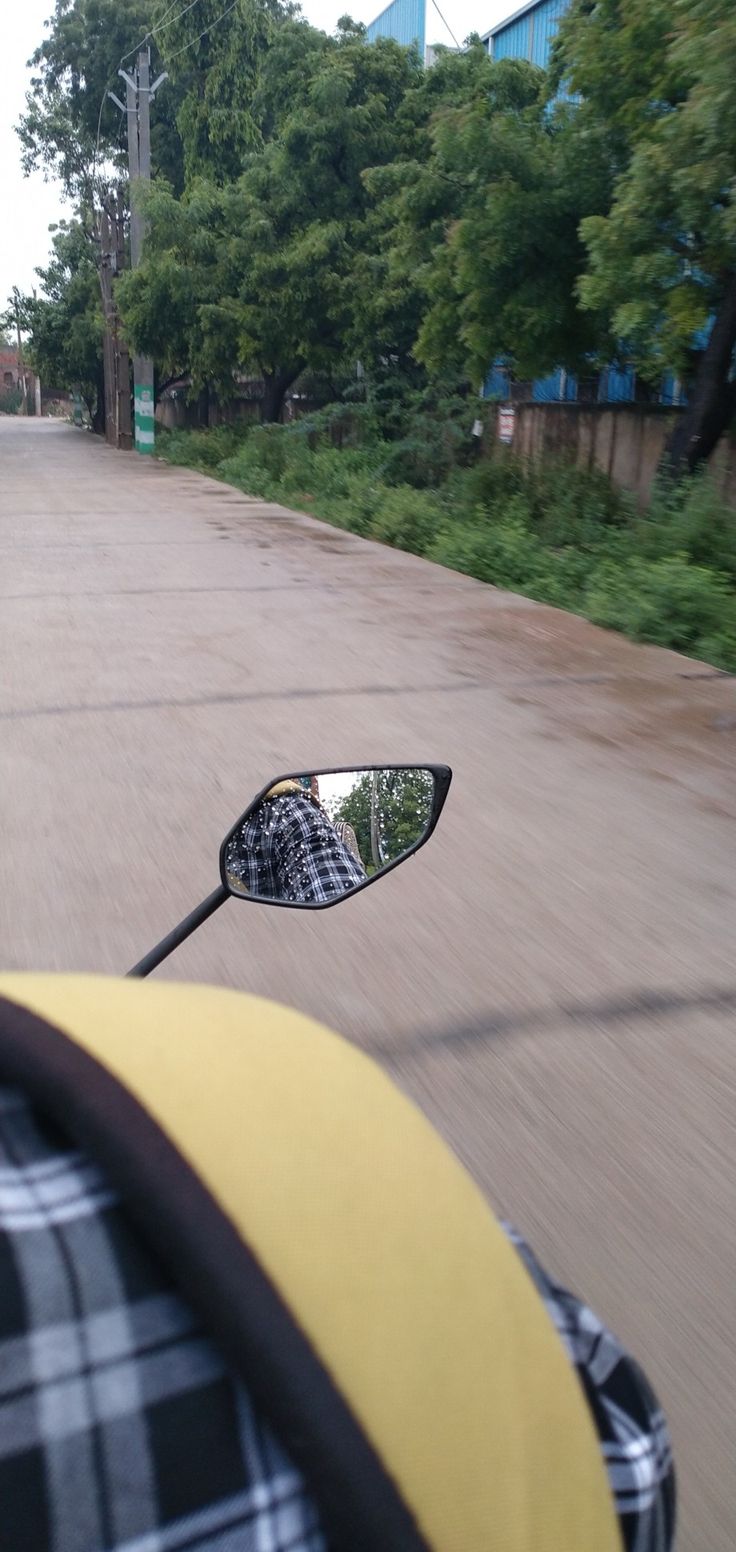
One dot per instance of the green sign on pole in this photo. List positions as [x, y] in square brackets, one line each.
[145, 434]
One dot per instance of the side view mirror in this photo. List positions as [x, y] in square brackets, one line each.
[313, 837]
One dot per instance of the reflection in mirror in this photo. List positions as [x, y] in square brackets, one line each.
[314, 838]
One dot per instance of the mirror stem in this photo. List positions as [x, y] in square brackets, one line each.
[184, 930]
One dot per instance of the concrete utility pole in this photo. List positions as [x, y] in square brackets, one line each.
[21, 362]
[122, 356]
[111, 238]
[140, 93]
[108, 355]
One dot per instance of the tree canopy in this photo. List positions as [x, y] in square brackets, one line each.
[64, 324]
[259, 272]
[657, 78]
[389, 812]
[489, 220]
[70, 129]
[318, 200]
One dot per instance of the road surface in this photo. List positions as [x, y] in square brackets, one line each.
[552, 978]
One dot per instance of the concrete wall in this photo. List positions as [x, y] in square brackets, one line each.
[624, 441]
[176, 413]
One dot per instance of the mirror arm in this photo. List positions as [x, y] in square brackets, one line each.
[184, 930]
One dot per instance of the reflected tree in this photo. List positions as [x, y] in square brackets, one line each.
[389, 812]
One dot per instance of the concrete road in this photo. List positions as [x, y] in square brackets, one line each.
[552, 978]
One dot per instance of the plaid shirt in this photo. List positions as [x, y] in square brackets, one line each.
[289, 850]
[123, 1430]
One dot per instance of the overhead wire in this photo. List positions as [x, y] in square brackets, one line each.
[204, 32]
[446, 24]
[164, 22]
[167, 20]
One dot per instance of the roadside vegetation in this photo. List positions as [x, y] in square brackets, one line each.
[329, 211]
[555, 533]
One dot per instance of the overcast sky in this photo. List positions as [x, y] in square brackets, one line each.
[28, 205]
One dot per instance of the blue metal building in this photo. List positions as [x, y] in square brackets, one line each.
[404, 20]
[528, 34]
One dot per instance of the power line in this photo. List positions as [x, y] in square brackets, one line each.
[103, 100]
[164, 22]
[204, 33]
[446, 24]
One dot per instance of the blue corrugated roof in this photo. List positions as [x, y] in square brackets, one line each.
[528, 33]
[515, 16]
[402, 20]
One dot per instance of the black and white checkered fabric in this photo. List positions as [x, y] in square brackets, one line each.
[289, 850]
[122, 1428]
[629, 1421]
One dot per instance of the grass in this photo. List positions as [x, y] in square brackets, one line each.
[555, 533]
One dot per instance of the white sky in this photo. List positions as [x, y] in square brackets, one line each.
[333, 788]
[28, 205]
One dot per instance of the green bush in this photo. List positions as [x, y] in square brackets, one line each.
[504, 552]
[691, 520]
[203, 450]
[244, 471]
[406, 518]
[10, 400]
[356, 509]
[562, 535]
[668, 601]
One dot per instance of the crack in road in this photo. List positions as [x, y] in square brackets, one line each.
[237, 699]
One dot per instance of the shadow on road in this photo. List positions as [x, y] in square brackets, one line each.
[499, 1026]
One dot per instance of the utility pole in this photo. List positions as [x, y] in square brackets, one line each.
[21, 362]
[140, 92]
[111, 237]
[108, 354]
[122, 358]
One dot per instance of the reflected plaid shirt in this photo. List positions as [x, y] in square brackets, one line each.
[290, 850]
[121, 1427]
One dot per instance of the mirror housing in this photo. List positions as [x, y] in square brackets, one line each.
[309, 839]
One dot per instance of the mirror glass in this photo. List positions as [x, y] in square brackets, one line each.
[312, 838]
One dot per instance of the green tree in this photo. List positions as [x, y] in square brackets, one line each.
[64, 323]
[486, 221]
[388, 296]
[657, 78]
[70, 129]
[389, 812]
[259, 272]
[214, 53]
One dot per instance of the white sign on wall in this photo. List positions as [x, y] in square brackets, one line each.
[506, 417]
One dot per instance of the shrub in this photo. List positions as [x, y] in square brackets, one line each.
[203, 450]
[406, 517]
[559, 534]
[691, 520]
[668, 601]
[504, 552]
[10, 400]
